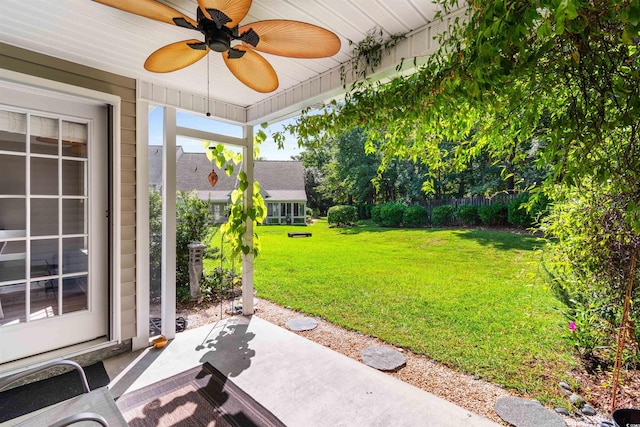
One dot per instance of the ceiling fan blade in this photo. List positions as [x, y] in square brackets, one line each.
[291, 38]
[153, 10]
[235, 10]
[176, 56]
[252, 70]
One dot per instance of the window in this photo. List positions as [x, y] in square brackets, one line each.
[43, 216]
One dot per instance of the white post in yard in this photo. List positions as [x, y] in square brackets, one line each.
[247, 260]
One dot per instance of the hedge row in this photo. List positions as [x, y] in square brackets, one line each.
[515, 213]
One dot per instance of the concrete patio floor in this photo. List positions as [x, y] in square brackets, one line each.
[302, 383]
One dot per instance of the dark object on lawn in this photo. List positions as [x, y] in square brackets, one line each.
[298, 234]
[626, 417]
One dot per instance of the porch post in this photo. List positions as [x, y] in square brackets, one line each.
[168, 283]
[247, 260]
[141, 340]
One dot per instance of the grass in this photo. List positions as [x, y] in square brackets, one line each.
[469, 299]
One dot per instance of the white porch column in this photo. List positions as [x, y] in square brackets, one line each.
[141, 340]
[247, 260]
[168, 283]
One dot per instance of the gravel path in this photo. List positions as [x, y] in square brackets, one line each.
[475, 395]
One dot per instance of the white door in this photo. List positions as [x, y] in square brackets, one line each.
[54, 253]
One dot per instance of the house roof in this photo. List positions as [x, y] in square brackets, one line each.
[279, 180]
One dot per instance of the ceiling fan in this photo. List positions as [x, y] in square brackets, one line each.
[218, 21]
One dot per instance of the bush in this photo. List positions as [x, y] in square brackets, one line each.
[368, 208]
[526, 210]
[442, 215]
[391, 214]
[364, 210]
[155, 243]
[415, 216]
[494, 215]
[193, 223]
[588, 264]
[220, 284]
[341, 215]
[468, 215]
[375, 214]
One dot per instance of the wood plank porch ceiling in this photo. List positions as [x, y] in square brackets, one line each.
[104, 38]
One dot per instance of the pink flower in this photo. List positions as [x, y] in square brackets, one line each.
[572, 326]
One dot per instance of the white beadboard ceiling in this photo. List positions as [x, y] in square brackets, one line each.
[98, 36]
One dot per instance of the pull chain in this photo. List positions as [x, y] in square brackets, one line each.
[208, 97]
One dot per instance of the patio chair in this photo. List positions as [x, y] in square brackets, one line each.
[92, 405]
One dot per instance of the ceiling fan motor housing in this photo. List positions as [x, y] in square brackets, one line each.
[218, 39]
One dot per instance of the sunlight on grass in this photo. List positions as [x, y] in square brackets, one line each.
[469, 299]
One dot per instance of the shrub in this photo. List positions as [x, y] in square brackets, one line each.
[364, 210]
[193, 223]
[415, 216]
[442, 215]
[155, 243]
[493, 215]
[342, 215]
[375, 214]
[526, 210]
[220, 284]
[468, 215]
[309, 215]
[391, 214]
[589, 264]
[368, 208]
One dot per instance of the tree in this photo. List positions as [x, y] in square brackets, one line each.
[562, 76]
[352, 169]
[344, 173]
[314, 161]
[562, 73]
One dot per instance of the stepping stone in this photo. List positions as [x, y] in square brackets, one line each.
[301, 324]
[527, 413]
[383, 358]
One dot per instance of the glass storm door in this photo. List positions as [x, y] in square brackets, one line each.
[53, 225]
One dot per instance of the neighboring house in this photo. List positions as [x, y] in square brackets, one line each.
[281, 182]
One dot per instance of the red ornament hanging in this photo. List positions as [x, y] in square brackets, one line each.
[213, 178]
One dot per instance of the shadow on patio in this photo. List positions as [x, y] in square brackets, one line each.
[300, 382]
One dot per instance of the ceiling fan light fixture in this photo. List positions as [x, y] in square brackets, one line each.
[218, 44]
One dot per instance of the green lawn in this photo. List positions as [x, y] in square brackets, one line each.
[467, 298]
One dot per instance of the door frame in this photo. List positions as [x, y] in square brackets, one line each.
[114, 308]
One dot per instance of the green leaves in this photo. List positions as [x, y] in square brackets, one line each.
[565, 10]
[235, 229]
